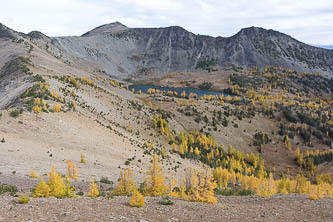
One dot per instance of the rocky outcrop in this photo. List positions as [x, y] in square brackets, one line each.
[5, 32]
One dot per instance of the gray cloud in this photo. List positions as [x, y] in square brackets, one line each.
[308, 21]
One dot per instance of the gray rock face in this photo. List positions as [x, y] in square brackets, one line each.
[5, 32]
[150, 52]
[143, 53]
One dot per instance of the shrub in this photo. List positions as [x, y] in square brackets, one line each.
[137, 200]
[206, 85]
[23, 199]
[37, 109]
[16, 113]
[4, 188]
[74, 82]
[166, 201]
[323, 178]
[57, 108]
[80, 193]
[73, 106]
[37, 101]
[106, 180]
[234, 192]
[33, 174]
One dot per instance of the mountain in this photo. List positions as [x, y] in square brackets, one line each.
[265, 130]
[143, 53]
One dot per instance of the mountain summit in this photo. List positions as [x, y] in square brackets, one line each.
[105, 29]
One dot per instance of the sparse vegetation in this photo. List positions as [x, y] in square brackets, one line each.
[11, 189]
[23, 199]
[15, 113]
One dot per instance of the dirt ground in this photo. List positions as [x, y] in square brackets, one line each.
[277, 208]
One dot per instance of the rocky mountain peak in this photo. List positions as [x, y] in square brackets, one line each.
[106, 29]
[255, 31]
[5, 32]
[37, 35]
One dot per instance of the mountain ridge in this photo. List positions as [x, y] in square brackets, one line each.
[144, 53]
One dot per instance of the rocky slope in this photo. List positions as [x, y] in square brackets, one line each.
[143, 53]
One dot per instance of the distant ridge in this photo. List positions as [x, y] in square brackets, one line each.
[144, 53]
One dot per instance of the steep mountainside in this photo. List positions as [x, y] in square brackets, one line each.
[144, 53]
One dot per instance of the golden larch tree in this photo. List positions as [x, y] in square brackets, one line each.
[93, 190]
[154, 184]
[126, 185]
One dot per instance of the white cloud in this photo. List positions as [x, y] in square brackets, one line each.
[309, 21]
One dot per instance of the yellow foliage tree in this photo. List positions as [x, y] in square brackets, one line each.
[323, 178]
[172, 183]
[197, 151]
[313, 193]
[284, 185]
[200, 186]
[56, 184]
[154, 184]
[221, 177]
[233, 178]
[83, 159]
[72, 170]
[93, 190]
[266, 187]
[174, 147]
[54, 187]
[41, 189]
[126, 185]
[300, 186]
[163, 153]
[288, 144]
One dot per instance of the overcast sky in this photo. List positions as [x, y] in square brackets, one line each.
[310, 21]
